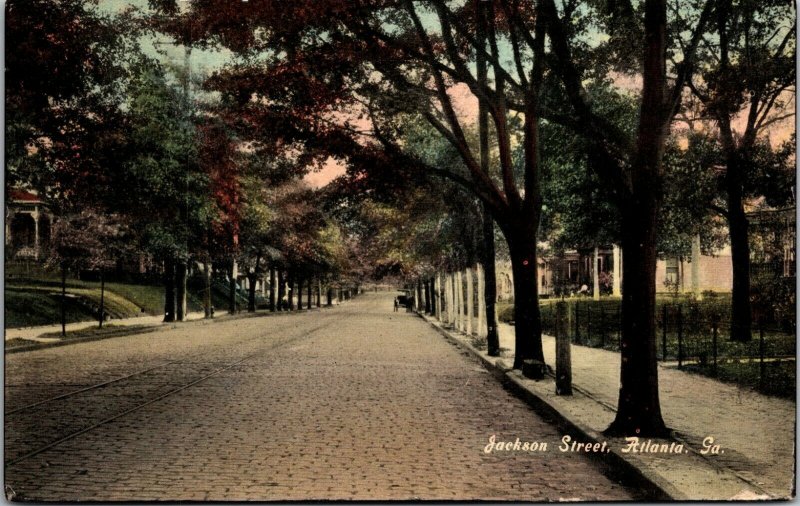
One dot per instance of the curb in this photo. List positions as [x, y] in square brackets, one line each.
[651, 485]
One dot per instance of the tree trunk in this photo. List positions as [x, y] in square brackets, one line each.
[102, 298]
[169, 290]
[281, 289]
[208, 310]
[299, 293]
[319, 293]
[308, 293]
[272, 289]
[180, 290]
[329, 296]
[639, 408]
[231, 288]
[290, 291]
[480, 316]
[427, 290]
[251, 292]
[490, 288]
[432, 287]
[63, 299]
[741, 315]
[527, 318]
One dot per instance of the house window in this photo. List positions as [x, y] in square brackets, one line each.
[672, 271]
[572, 271]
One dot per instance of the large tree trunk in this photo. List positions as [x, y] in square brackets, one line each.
[180, 290]
[741, 315]
[527, 318]
[638, 408]
[281, 289]
[299, 293]
[490, 287]
[308, 293]
[169, 290]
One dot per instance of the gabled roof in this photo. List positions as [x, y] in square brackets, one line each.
[24, 196]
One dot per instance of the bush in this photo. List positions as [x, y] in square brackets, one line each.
[505, 313]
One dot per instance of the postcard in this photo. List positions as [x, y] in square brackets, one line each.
[413, 250]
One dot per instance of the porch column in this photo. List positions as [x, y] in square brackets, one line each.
[35, 235]
[596, 274]
[695, 269]
[617, 282]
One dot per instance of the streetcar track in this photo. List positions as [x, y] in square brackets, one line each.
[174, 391]
[86, 389]
[189, 361]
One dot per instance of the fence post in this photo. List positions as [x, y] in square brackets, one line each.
[679, 317]
[588, 324]
[761, 368]
[563, 352]
[664, 333]
[602, 328]
[714, 331]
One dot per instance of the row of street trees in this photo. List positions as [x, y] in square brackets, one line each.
[140, 166]
[452, 117]
[342, 75]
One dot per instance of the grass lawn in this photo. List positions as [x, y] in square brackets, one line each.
[29, 308]
[779, 375]
[37, 301]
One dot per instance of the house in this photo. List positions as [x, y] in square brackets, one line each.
[28, 223]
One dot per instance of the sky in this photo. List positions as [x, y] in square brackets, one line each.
[205, 62]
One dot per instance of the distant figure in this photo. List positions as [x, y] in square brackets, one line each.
[584, 290]
[396, 304]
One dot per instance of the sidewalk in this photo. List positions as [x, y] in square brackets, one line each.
[33, 333]
[755, 432]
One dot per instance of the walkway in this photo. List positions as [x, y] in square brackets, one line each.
[34, 333]
[755, 432]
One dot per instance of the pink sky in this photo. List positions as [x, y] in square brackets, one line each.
[466, 105]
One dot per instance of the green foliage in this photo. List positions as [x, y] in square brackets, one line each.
[160, 186]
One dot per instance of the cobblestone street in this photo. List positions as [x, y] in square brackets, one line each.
[353, 402]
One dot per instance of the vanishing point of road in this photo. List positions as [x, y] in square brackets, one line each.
[353, 402]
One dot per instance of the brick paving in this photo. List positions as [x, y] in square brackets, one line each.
[357, 402]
